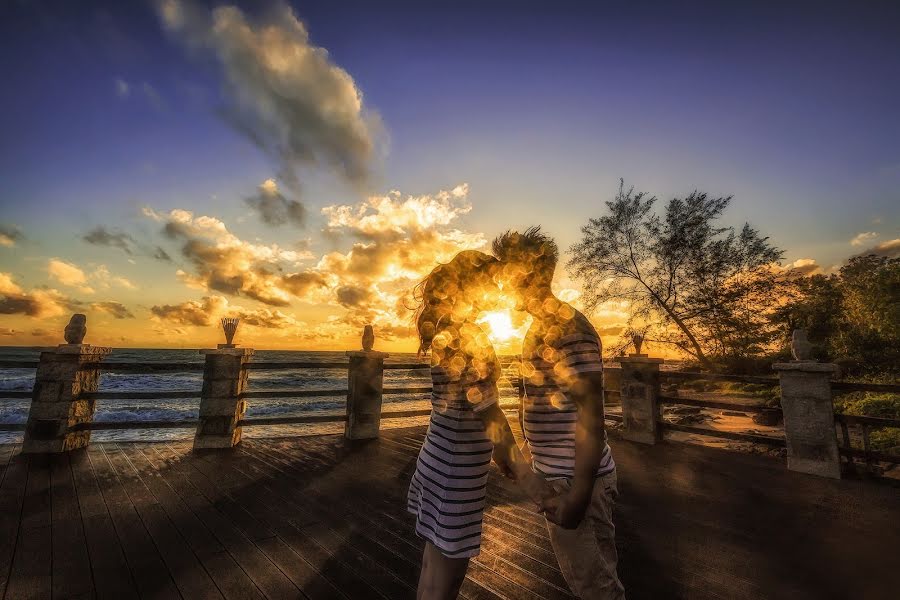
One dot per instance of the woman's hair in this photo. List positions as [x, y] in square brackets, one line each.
[444, 287]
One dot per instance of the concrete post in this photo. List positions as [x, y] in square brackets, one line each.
[56, 402]
[221, 407]
[365, 382]
[809, 417]
[639, 392]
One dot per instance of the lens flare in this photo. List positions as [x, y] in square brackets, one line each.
[500, 327]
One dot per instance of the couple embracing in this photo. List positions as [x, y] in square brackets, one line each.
[571, 476]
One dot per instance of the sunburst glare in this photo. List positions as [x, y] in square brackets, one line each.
[500, 326]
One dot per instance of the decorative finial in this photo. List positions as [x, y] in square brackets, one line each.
[230, 325]
[801, 348]
[638, 341]
[76, 329]
[368, 338]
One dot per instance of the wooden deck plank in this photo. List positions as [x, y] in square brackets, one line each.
[338, 539]
[352, 471]
[260, 573]
[143, 559]
[30, 576]
[71, 564]
[12, 495]
[301, 573]
[109, 569]
[231, 578]
[330, 518]
[184, 568]
[301, 540]
[498, 529]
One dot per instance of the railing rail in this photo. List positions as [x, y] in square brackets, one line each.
[716, 404]
[696, 375]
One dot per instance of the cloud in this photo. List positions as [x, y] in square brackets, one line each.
[105, 279]
[160, 254]
[6, 331]
[100, 236]
[274, 208]
[38, 303]
[222, 262]
[804, 267]
[281, 92]
[116, 309]
[863, 238]
[68, 274]
[611, 330]
[149, 93]
[123, 90]
[398, 240]
[210, 309]
[384, 244]
[10, 235]
[352, 296]
[890, 248]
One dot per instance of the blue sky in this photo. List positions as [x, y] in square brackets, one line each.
[539, 107]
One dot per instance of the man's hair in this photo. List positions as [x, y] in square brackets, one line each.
[533, 245]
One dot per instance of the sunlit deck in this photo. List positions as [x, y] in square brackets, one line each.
[312, 517]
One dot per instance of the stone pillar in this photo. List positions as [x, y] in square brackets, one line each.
[365, 379]
[809, 417]
[221, 407]
[56, 402]
[639, 391]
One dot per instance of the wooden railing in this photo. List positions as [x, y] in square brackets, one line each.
[641, 383]
[846, 449]
[144, 368]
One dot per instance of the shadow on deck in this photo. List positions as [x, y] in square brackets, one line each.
[312, 517]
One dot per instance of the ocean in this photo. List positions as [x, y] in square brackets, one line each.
[16, 410]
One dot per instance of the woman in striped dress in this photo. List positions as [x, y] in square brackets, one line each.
[448, 488]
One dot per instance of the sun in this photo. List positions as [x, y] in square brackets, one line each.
[500, 327]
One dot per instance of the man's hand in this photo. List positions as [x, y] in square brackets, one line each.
[566, 510]
[536, 488]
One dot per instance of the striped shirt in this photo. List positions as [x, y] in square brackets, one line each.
[448, 489]
[556, 351]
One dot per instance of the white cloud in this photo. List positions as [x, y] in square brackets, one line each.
[68, 274]
[123, 90]
[890, 248]
[282, 92]
[863, 238]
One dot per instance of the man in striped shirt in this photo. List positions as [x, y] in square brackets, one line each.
[562, 371]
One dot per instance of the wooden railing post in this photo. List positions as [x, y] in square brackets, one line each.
[59, 383]
[639, 394]
[809, 417]
[224, 381]
[365, 382]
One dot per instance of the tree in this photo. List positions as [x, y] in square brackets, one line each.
[853, 316]
[688, 282]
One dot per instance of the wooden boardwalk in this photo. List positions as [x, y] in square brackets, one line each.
[310, 517]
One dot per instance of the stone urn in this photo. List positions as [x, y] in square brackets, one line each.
[230, 325]
[801, 349]
[638, 341]
[76, 329]
[368, 338]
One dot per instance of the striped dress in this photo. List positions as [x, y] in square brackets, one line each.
[556, 350]
[448, 488]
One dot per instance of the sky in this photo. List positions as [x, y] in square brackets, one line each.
[302, 165]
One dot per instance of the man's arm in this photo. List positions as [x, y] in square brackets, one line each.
[507, 454]
[586, 390]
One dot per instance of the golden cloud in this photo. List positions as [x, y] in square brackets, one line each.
[38, 303]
